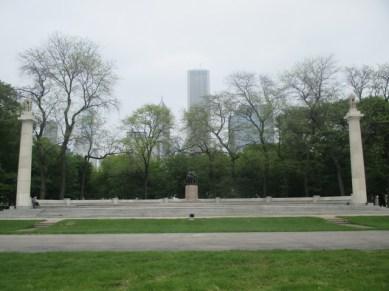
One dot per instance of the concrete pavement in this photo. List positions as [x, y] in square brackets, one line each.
[172, 210]
[361, 240]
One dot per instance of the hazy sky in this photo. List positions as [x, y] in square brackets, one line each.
[154, 43]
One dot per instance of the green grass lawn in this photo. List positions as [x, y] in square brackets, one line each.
[254, 224]
[187, 226]
[377, 222]
[13, 226]
[232, 270]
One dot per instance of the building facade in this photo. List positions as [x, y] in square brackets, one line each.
[244, 132]
[51, 131]
[198, 86]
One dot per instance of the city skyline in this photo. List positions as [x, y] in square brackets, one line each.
[153, 44]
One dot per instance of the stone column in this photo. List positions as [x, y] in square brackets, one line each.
[23, 196]
[353, 117]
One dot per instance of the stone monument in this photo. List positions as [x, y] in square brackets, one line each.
[23, 196]
[353, 117]
[191, 188]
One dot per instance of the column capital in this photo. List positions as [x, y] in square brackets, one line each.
[26, 115]
[353, 113]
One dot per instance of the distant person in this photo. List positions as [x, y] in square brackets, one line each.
[35, 203]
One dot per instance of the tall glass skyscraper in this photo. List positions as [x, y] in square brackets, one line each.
[198, 86]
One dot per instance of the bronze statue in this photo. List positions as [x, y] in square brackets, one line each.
[191, 178]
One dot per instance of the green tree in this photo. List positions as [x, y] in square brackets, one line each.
[9, 146]
[312, 83]
[259, 101]
[222, 108]
[375, 136]
[199, 139]
[51, 180]
[100, 143]
[331, 145]
[145, 129]
[117, 176]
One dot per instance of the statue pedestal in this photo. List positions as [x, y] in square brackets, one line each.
[191, 192]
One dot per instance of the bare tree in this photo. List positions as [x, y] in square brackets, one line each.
[80, 79]
[380, 82]
[199, 136]
[43, 96]
[359, 79]
[259, 99]
[197, 126]
[222, 108]
[99, 142]
[311, 83]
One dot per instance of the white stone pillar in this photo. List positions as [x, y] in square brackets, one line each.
[353, 117]
[23, 196]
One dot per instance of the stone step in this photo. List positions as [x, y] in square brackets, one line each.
[45, 223]
[342, 221]
[338, 220]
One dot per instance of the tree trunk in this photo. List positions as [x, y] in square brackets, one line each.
[43, 171]
[83, 178]
[306, 190]
[339, 175]
[266, 171]
[62, 189]
[146, 180]
[43, 177]
[62, 162]
[210, 171]
[306, 174]
[233, 176]
[264, 184]
[233, 169]
[284, 186]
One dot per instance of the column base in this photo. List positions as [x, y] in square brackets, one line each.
[357, 200]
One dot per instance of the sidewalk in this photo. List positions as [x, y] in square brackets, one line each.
[359, 240]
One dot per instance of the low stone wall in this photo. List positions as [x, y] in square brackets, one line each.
[267, 200]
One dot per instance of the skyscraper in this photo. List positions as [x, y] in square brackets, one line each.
[198, 86]
[51, 131]
[244, 132]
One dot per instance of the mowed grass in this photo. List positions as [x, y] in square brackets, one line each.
[377, 222]
[232, 270]
[12, 226]
[258, 224]
[198, 225]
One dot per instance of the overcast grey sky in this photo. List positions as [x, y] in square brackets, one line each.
[154, 43]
